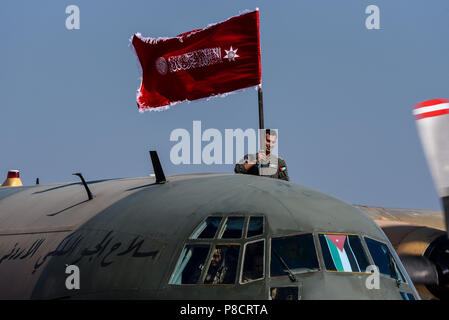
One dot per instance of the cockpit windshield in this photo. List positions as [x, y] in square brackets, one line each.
[293, 254]
[383, 259]
[232, 228]
[343, 252]
[206, 261]
[223, 264]
[190, 264]
[207, 228]
[255, 227]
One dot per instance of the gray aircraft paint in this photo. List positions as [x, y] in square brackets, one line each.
[44, 228]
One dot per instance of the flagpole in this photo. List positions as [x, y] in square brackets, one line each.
[260, 98]
[261, 124]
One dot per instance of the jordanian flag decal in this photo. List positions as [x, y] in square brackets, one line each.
[341, 252]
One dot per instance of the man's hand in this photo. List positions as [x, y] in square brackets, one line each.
[261, 155]
[250, 164]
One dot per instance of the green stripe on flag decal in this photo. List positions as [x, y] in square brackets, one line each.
[334, 253]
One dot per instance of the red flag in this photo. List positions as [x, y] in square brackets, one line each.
[220, 58]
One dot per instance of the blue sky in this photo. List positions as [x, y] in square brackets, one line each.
[340, 95]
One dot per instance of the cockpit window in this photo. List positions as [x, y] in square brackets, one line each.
[207, 228]
[343, 252]
[211, 255]
[253, 265]
[190, 264]
[383, 259]
[223, 264]
[293, 254]
[232, 229]
[407, 296]
[255, 227]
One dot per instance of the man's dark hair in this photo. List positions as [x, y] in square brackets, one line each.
[271, 132]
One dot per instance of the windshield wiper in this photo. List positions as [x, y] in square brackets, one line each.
[392, 267]
[290, 273]
[393, 272]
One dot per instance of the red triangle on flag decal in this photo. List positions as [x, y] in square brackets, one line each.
[338, 240]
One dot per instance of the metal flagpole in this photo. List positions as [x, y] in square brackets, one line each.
[261, 124]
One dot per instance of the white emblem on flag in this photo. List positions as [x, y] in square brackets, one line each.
[195, 59]
[161, 65]
[231, 54]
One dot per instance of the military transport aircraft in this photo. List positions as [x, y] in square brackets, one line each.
[203, 236]
[218, 236]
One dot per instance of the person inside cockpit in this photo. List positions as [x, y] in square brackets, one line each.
[217, 269]
[223, 265]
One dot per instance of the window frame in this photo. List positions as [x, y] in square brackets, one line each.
[209, 260]
[213, 242]
[292, 235]
[247, 226]
[203, 220]
[210, 245]
[395, 259]
[222, 227]
[365, 249]
[243, 261]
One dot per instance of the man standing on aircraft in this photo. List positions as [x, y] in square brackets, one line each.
[264, 163]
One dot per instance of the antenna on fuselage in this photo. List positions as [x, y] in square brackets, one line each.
[89, 194]
[157, 167]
